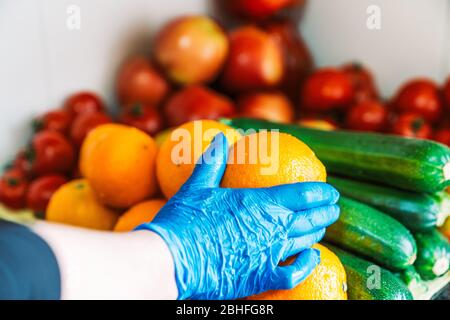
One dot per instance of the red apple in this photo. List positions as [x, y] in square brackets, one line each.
[272, 106]
[195, 103]
[260, 9]
[255, 61]
[139, 81]
[191, 49]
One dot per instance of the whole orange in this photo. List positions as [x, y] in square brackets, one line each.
[267, 159]
[179, 153]
[119, 163]
[139, 214]
[328, 281]
[76, 204]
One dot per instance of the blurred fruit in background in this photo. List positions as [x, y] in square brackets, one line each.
[364, 87]
[171, 172]
[195, 103]
[325, 90]
[272, 106]
[144, 117]
[21, 163]
[83, 102]
[141, 213]
[445, 229]
[84, 123]
[191, 49]
[13, 189]
[442, 136]
[320, 124]
[76, 204]
[260, 9]
[119, 163]
[411, 125]
[446, 93]
[50, 152]
[255, 61]
[57, 120]
[328, 281]
[41, 190]
[367, 115]
[162, 136]
[138, 80]
[420, 96]
[288, 160]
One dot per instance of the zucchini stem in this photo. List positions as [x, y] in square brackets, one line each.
[446, 171]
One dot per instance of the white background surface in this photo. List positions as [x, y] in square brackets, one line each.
[41, 60]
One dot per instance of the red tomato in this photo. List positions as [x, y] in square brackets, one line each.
[412, 125]
[325, 90]
[21, 163]
[420, 96]
[447, 93]
[83, 102]
[50, 152]
[272, 106]
[13, 189]
[84, 123]
[143, 117]
[41, 191]
[260, 9]
[362, 81]
[196, 103]
[139, 81]
[58, 120]
[442, 136]
[368, 115]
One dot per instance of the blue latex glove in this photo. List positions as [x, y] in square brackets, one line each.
[227, 243]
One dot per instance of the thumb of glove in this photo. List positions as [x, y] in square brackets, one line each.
[211, 165]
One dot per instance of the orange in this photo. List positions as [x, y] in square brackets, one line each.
[269, 159]
[317, 124]
[76, 204]
[328, 281]
[162, 136]
[139, 214]
[119, 163]
[178, 154]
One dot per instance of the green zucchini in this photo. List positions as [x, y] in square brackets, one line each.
[372, 234]
[417, 211]
[433, 254]
[413, 280]
[368, 281]
[411, 164]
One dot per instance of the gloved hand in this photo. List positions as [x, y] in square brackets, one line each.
[227, 243]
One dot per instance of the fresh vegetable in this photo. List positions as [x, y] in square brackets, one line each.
[417, 211]
[41, 191]
[13, 189]
[410, 164]
[433, 254]
[273, 106]
[142, 116]
[84, 123]
[367, 115]
[412, 279]
[411, 125]
[445, 229]
[58, 120]
[83, 102]
[372, 234]
[362, 80]
[259, 9]
[367, 281]
[442, 136]
[447, 93]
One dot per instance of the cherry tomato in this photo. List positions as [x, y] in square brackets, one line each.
[84, 123]
[442, 136]
[143, 117]
[50, 152]
[83, 102]
[13, 189]
[41, 190]
[362, 81]
[325, 90]
[447, 93]
[368, 115]
[420, 96]
[412, 125]
[58, 120]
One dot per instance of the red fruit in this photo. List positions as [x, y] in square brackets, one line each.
[83, 102]
[255, 61]
[13, 189]
[21, 163]
[259, 9]
[442, 136]
[139, 81]
[297, 60]
[447, 93]
[196, 103]
[362, 81]
[84, 123]
[268, 106]
[143, 117]
[58, 120]
[412, 125]
[420, 96]
[368, 115]
[41, 191]
[50, 152]
[191, 49]
[325, 90]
